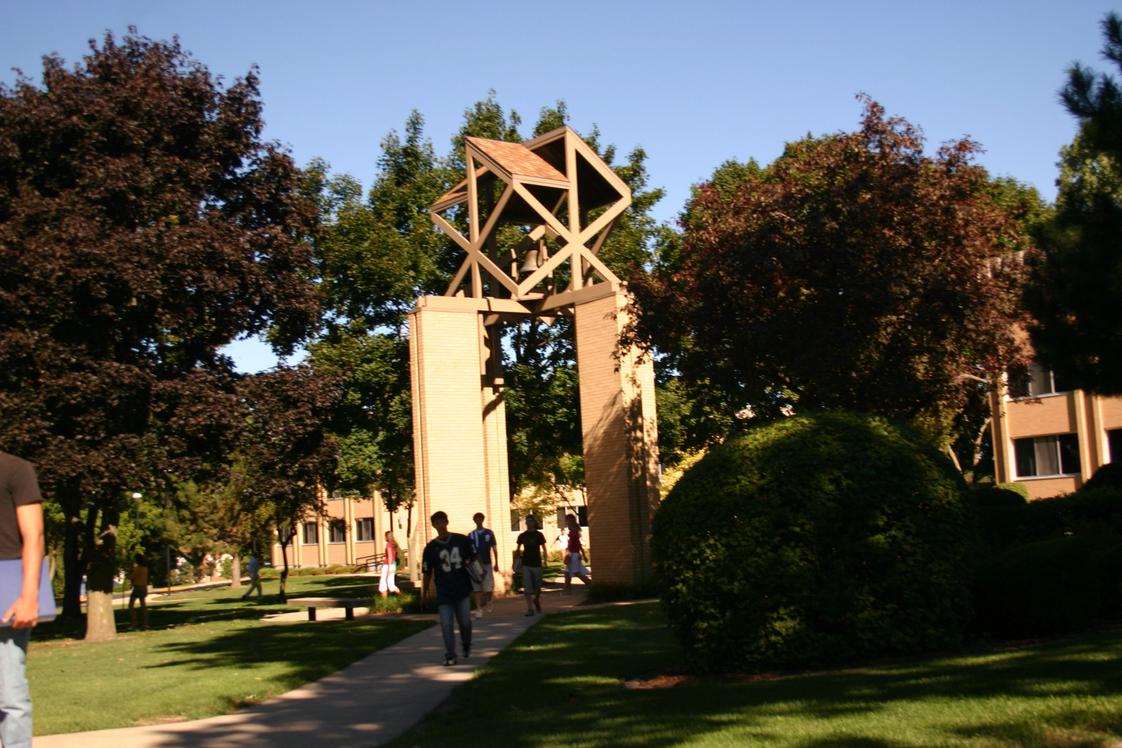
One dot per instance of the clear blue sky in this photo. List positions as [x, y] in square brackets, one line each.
[693, 82]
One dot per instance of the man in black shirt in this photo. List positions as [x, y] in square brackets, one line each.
[445, 559]
[531, 549]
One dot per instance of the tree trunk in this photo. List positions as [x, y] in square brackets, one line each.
[236, 572]
[100, 623]
[284, 571]
[72, 568]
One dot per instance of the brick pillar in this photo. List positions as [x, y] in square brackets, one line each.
[617, 403]
[459, 423]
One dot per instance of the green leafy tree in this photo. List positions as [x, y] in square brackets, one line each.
[1077, 284]
[285, 454]
[854, 272]
[144, 224]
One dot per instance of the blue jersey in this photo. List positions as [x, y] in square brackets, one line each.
[447, 561]
[483, 541]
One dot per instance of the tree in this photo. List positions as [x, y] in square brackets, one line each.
[285, 455]
[1077, 284]
[854, 272]
[144, 224]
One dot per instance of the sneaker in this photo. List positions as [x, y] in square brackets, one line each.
[490, 608]
[467, 652]
[537, 606]
[449, 661]
[477, 613]
[529, 612]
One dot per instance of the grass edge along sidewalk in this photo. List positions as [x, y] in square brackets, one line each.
[608, 676]
[207, 653]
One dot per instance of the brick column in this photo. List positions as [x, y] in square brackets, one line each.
[619, 428]
[459, 428]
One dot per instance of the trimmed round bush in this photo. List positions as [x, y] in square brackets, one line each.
[1045, 587]
[813, 540]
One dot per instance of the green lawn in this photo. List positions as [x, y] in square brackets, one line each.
[563, 684]
[206, 653]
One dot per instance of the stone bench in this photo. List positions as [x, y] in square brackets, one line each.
[311, 603]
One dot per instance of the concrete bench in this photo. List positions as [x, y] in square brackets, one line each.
[311, 603]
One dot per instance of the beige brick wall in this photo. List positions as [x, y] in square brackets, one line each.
[619, 431]
[459, 425]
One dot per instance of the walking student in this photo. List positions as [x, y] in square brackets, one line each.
[21, 536]
[254, 569]
[483, 540]
[388, 581]
[531, 550]
[576, 555]
[139, 579]
[444, 562]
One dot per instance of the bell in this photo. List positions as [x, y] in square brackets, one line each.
[530, 264]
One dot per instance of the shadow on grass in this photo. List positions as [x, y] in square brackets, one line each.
[562, 684]
[222, 604]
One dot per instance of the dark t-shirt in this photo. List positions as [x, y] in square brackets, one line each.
[532, 542]
[447, 560]
[18, 486]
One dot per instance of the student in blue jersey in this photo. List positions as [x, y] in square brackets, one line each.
[444, 561]
[483, 540]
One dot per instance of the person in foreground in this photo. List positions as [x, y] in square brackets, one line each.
[21, 536]
[444, 561]
[531, 549]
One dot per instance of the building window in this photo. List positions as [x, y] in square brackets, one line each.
[1114, 443]
[311, 533]
[337, 531]
[364, 529]
[1047, 455]
[581, 512]
[1035, 381]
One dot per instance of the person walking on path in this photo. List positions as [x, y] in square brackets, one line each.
[445, 561]
[21, 536]
[483, 540]
[139, 579]
[254, 569]
[573, 564]
[388, 582]
[530, 547]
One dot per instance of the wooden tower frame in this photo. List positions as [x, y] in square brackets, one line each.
[531, 219]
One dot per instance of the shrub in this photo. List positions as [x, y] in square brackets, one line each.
[1043, 587]
[813, 540]
[1003, 518]
[1107, 476]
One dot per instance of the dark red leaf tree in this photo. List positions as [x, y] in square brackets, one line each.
[144, 223]
[854, 272]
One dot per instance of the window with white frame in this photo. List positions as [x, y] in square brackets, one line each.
[1047, 455]
[364, 529]
[311, 533]
[1035, 381]
[337, 531]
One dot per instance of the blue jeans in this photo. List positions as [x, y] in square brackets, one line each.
[15, 698]
[462, 612]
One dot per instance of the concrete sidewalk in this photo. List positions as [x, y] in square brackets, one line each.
[368, 703]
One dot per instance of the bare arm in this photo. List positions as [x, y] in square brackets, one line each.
[24, 612]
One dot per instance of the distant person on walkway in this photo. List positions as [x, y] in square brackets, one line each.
[483, 540]
[21, 536]
[562, 543]
[388, 581]
[574, 566]
[531, 549]
[445, 560]
[253, 566]
[139, 578]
